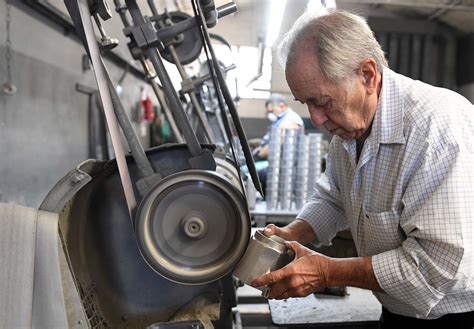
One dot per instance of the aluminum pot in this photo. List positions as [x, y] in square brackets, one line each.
[263, 255]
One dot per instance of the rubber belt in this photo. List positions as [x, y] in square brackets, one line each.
[230, 104]
[102, 82]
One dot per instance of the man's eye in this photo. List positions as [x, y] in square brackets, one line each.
[324, 105]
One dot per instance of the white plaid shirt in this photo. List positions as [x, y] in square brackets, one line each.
[409, 201]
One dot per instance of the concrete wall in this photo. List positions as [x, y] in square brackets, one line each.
[44, 125]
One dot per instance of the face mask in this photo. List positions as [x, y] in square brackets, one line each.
[272, 117]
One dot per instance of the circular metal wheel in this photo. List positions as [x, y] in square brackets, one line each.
[189, 47]
[193, 227]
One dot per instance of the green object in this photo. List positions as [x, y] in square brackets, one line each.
[165, 131]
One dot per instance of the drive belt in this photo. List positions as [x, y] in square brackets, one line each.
[103, 84]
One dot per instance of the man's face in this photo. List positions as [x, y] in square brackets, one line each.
[275, 108]
[342, 112]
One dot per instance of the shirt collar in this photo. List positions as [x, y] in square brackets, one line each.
[387, 127]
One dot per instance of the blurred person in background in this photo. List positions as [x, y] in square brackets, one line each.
[282, 116]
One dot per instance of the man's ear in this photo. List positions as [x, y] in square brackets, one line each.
[368, 71]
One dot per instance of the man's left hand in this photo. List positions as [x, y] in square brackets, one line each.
[306, 274]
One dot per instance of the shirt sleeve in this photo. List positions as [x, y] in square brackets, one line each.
[437, 254]
[323, 210]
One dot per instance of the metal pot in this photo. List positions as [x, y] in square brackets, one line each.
[263, 255]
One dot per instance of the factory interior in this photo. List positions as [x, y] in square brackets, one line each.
[159, 156]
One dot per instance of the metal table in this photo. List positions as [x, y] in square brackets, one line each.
[358, 309]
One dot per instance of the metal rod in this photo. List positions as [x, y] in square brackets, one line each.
[227, 9]
[197, 108]
[201, 79]
[231, 106]
[172, 96]
[191, 23]
[178, 28]
[99, 26]
[184, 76]
[151, 4]
[122, 9]
[136, 147]
[166, 109]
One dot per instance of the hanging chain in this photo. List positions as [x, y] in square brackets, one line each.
[9, 43]
[8, 87]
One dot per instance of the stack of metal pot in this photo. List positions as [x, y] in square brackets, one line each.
[273, 171]
[302, 165]
[315, 157]
[287, 168]
[294, 165]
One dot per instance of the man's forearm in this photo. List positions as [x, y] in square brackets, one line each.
[354, 272]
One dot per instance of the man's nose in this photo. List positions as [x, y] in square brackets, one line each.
[317, 117]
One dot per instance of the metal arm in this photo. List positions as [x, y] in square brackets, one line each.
[173, 99]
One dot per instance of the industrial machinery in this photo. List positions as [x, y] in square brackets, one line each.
[152, 237]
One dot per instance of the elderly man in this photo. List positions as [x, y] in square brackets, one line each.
[399, 174]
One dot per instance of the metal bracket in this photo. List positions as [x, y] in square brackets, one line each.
[203, 160]
[69, 185]
[100, 7]
[144, 184]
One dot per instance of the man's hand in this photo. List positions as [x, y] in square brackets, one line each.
[282, 232]
[297, 230]
[306, 274]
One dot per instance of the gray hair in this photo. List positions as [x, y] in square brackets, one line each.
[340, 40]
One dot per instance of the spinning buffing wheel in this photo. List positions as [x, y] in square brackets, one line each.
[193, 226]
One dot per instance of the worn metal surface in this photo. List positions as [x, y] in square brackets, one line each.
[359, 306]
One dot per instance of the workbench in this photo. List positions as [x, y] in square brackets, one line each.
[358, 309]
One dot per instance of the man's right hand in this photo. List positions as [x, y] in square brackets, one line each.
[297, 230]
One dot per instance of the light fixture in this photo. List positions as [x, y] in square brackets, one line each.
[274, 21]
